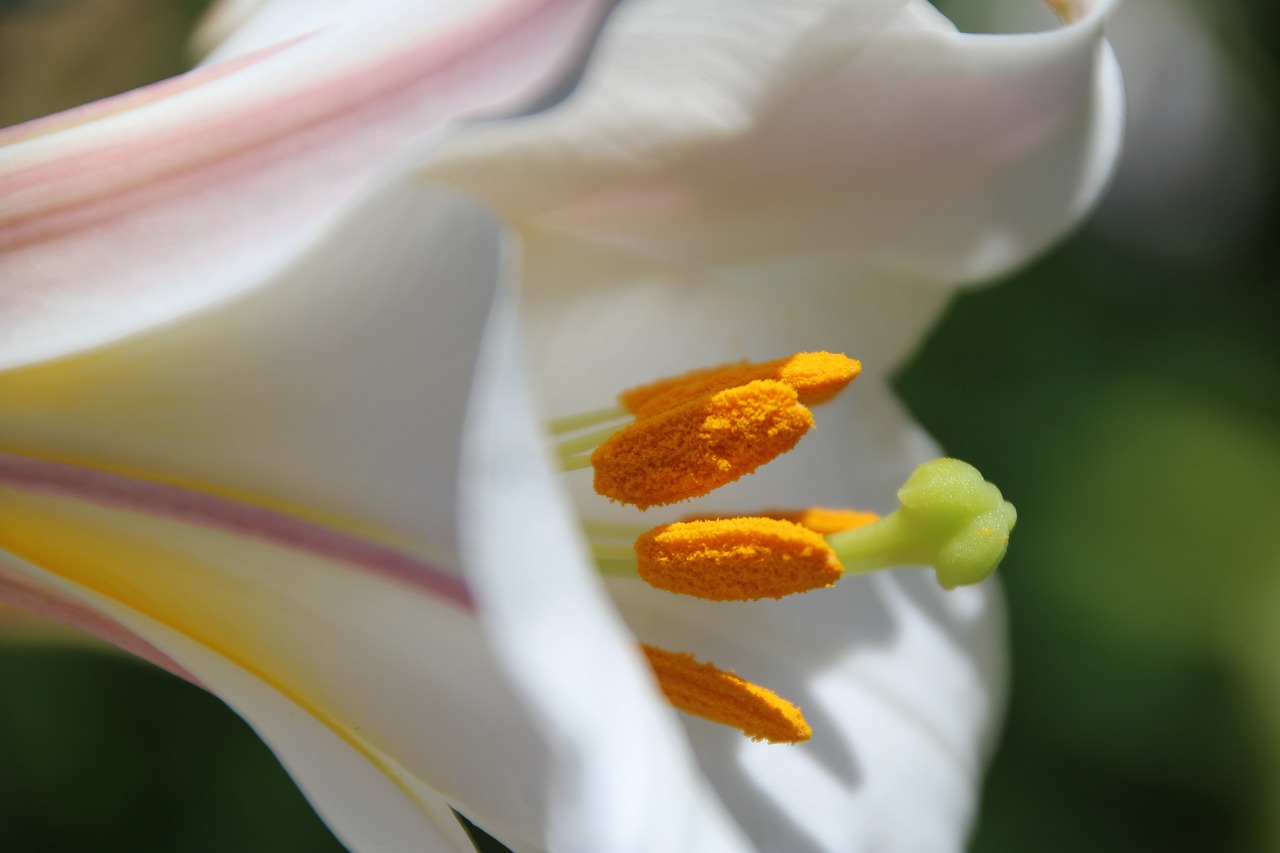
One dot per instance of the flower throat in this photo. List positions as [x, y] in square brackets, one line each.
[685, 436]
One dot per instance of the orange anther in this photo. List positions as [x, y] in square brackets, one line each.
[700, 445]
[816, 376]
[722, 697]
[736, 559]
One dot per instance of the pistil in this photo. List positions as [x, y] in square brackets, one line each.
[951, 519]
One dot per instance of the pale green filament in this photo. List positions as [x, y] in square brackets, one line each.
[583, 420]
[617, 560]
[575, 453]
[571, 447]
[573, 463]
[616, 568]
[950, 519]
[602, 551]
[611, 545]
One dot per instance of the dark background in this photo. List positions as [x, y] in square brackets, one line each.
[1124, 391]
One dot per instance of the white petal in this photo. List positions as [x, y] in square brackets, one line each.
[397, 677]
[130, 212]
[733, 133]
[335, 389]
[240, 27]
[902, 683]
[25, 599]
[624, 779]
[604, 317]
[360, 804]
[232, 28]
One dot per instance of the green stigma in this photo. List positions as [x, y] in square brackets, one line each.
[951, 519]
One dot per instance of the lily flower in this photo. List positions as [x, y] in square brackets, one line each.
[281, 337]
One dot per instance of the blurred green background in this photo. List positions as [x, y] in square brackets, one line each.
[1124, 391]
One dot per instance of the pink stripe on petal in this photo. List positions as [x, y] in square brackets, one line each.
[439, 71]
[115, 225]
[134, 98]
[68, 611]
[41, 476]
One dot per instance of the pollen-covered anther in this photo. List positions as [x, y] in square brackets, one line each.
[819, 519]
[736, 559]
[705, 691]
[700, 445]
[816, 376]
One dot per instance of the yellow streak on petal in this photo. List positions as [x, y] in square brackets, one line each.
[83, 390]
[701, 445]
[816, 376]
[722, 697]
[167, 586]
[736, 559]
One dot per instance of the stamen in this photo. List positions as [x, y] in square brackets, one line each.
[736, 559]
[700, 445]
[816, 376]
[950, 518]
[722, 697]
